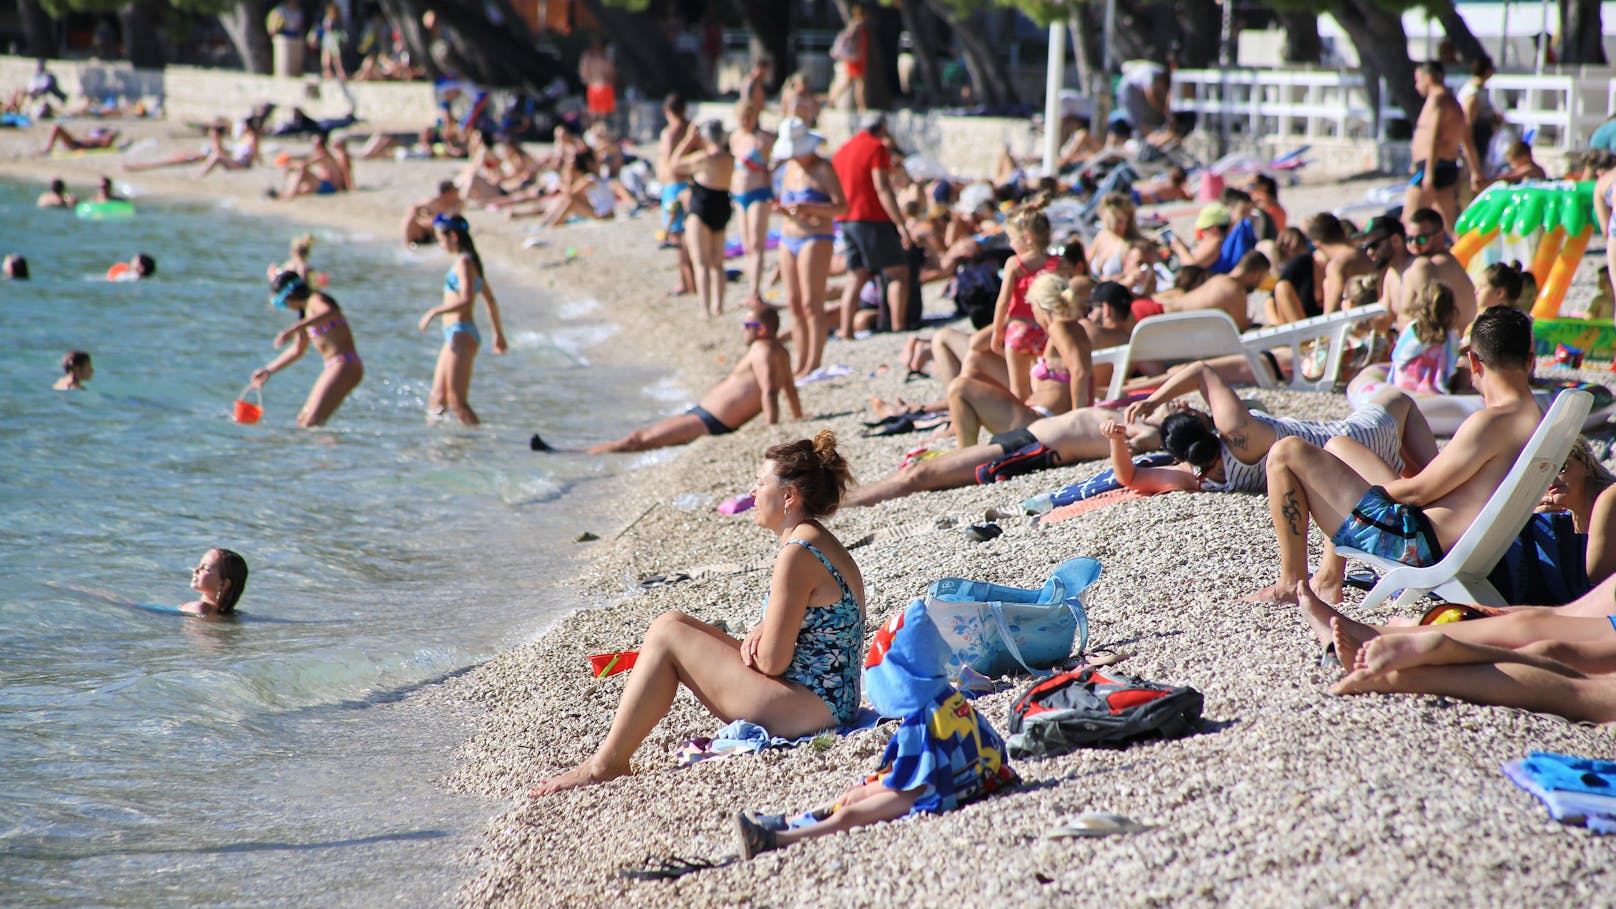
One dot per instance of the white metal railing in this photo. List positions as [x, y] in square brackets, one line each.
[1315, 104]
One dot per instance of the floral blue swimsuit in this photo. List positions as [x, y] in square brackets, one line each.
[828, 645]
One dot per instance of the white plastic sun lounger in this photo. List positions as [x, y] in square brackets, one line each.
[1335, 327]
[1198, 335]
[1461, 575]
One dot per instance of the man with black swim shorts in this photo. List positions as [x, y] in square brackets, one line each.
[754, 386]
[1440, 137]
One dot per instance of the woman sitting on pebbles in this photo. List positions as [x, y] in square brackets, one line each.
[796, 672]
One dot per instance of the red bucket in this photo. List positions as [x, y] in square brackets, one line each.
[605, 664]
[248, 411]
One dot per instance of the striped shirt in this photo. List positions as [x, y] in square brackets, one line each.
[1370, 425]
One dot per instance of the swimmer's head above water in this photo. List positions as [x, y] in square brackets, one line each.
[220, 578]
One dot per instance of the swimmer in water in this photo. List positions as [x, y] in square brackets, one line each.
[219, 579]
[464, 283]
[320, 321]
[78, 370]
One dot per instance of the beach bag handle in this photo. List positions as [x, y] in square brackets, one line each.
[257, 393]
[1078, 613]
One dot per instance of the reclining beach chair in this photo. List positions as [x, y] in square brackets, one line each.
[1461, 575]
[1180, 336]
[1335, 327]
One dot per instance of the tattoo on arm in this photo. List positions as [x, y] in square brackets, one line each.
[1236, 440]
[1294, 519]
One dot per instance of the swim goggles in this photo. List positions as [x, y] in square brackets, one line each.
[450, 222]
[293, 286]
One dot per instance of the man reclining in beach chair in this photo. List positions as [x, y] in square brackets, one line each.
[1346, 487]
[754, 386]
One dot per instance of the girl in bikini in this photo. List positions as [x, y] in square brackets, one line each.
[464, 283]
[708, 170]
[1016, 332]
[797, 672]
[1062, 378]
[319, 321]
[752, 185]
[810, 199]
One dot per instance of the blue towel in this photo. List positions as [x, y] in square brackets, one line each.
[1587, 803]
[1104, 481]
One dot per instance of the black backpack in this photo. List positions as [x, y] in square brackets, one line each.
[1094, 708]
[976, 286]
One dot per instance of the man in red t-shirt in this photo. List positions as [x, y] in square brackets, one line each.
[873, 227]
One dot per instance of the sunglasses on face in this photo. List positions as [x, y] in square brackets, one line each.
[1421, 239]
[748, 323]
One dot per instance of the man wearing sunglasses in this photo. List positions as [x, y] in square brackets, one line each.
[1440, 136]
[1428, 241]
[754, 386]
[1385, 242]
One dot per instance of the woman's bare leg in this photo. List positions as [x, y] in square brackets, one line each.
[796, 302]
[1433, 663]
[329, 391]
[717, 279]
[755, 236]
[681, 650]
[974, 404]
[813, 268]
[869, 803]
[462, 355]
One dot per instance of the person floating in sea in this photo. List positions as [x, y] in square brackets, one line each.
[76, 369]
[57, 196]
[752, 387]
[320, 321]
[465, 282]
[219, 579]
[798, 671]
[14, 267]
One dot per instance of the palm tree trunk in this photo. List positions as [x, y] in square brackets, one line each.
[990, 82]
[139, 20]
[1583, 32]
[1302, 41]
[39, 38]
[771, 25]
[1382, 46]
[1458, 31]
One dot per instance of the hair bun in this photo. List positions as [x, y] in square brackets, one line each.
[825, 446]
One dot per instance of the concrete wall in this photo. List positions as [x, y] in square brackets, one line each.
[191, 93]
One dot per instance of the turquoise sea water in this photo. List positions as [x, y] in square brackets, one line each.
[150, 760]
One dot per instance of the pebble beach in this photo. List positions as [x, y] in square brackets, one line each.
[1287, 796]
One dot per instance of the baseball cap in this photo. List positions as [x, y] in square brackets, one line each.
[1380, 227]
[1214, 215]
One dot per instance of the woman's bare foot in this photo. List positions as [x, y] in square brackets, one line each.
[585, 774]
[1399, 651]
[1318, 614]
[1273, 593]
[1362, 681]
[1328, 588]
[1350, 639]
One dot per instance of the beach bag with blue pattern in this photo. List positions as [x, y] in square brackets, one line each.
[997, 631]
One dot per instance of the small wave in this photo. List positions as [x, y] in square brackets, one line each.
[667, 389]
[577, 309]
[576, 340]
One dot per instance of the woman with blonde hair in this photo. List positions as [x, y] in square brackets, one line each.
[797, 672]
[1062, 378]
[1119, 231]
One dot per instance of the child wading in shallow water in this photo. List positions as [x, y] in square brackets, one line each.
[219, 578]
[942, 756]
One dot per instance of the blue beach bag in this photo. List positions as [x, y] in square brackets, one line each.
[997, 631]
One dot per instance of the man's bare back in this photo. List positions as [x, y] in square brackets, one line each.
[1219, 292]
[1438, 267]
[1342, 263]
[740, 396]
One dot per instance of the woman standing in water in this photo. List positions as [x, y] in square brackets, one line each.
[461, 287]
[319, 319]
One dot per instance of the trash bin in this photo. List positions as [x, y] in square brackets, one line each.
[288, 56]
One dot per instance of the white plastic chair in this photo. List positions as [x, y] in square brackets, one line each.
[1198, 335]
[1335, 326]
[1461, 575]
